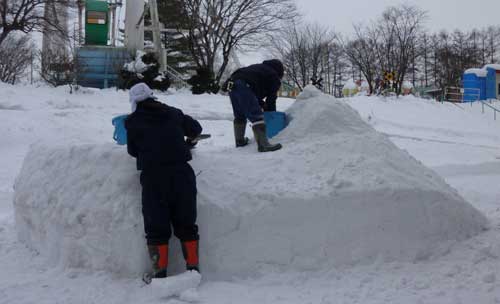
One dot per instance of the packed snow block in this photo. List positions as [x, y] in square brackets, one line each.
[338, 193]
[80, 207]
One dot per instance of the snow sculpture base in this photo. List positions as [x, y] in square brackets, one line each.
[338, 193]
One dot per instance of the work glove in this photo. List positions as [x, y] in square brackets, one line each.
[191, 142]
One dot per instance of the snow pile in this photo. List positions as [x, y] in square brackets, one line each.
[484, 71]
[350, 85]
[137, 66]
[81, 206]
[350, 88]
[492, 66]
[477, 72]
[407, 85]
[309, 92]
[365, 85]
[338, 193]
[432, 121]
[182, 285]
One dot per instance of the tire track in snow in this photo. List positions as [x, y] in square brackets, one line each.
[440, 141]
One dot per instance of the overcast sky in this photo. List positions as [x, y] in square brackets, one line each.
[443, 14]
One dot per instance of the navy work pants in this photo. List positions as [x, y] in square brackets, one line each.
[245, 103]
[169, 200]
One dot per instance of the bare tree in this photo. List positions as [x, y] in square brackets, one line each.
[296, 57]
[334, 67]
[391, 44]
[217, 27]
[58, 68]
[290, 47]
[448, 67]
[401, 27]
[398, 43]
[446, 55]
[339, 67]
[305, 52]
[425, 52]
[23, 16]
[364, 53]
[319, 39]
[15, 57]
[492, 35]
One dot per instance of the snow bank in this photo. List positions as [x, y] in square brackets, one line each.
[350, 85]
[492, 66]
[478, 72]
[338, 193]
[80, 206]
[484, 71]
[407, 85]
[137, 66]
[412, 118]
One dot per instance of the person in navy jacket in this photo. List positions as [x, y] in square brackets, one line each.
[253, 89]
[156, 138]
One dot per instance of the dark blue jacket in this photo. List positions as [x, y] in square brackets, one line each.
[155, 135]
[264, 80]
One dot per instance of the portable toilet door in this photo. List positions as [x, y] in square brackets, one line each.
[491, 84]
[474, 82]
[96, 22]
[498, 85]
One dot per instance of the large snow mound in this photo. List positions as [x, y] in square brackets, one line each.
[338, 193]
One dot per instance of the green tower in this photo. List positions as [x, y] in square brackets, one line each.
[96, 22]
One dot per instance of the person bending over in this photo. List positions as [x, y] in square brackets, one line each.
[252, 89]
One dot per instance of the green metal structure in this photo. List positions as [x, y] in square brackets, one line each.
[96, 22]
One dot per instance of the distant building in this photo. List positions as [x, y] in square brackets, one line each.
[288, 90]
[407, 88]
[431, 92]
[350, 88]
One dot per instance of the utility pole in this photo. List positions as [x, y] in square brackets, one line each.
[113, 4]
[235, 58]
[81, 6]
[134, 26]
[55, 40]
[31, 68]
[155, 20]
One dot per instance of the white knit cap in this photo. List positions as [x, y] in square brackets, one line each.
[138, 93]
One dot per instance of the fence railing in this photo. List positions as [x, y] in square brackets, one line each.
[459, 95]
[454, 96]
[486, 104]
[177, 78]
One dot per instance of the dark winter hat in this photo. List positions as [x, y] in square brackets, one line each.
[276, 65]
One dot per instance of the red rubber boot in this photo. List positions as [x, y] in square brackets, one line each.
[190, 251]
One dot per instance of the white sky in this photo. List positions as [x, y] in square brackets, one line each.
[340, 15]
[443, 14]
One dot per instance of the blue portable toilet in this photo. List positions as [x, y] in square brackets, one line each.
[275, 123]
[474, 81]
[492, 81]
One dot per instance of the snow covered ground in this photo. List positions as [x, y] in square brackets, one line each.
[461, 144]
